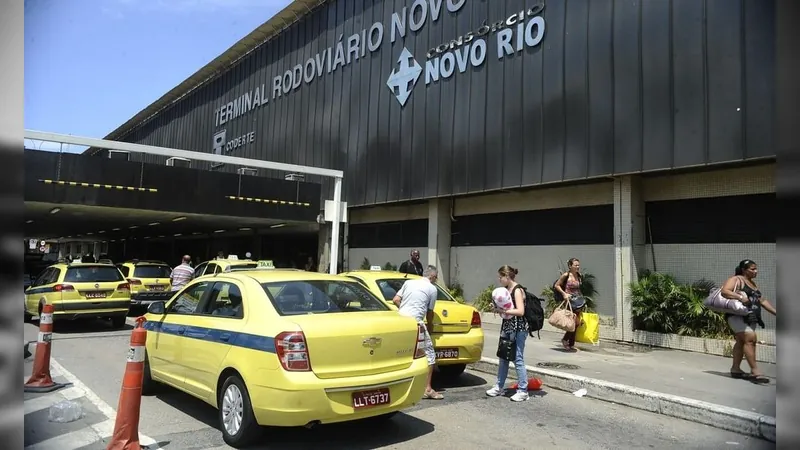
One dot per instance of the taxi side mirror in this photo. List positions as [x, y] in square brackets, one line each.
[158, 308]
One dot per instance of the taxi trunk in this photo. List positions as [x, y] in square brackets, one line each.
[150, 278]
[356, 344]
[93, 288]
[452, 317]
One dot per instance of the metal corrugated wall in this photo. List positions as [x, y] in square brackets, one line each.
[614, 87]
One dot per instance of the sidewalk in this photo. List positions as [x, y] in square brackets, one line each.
[686, 385]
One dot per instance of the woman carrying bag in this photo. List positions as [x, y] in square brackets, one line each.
[513, 333]
[568, 287]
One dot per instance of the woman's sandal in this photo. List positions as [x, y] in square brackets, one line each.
[758, 379]
[738, 375]
[432, 396]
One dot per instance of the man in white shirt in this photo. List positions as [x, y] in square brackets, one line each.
[416, 299]
[182, 274]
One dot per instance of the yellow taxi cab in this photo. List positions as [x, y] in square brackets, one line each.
[80, 290]
[457, 334]
[149, 280]
[284, 348]
[231, 264]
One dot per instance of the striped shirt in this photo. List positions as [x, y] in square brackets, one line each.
[181, 275]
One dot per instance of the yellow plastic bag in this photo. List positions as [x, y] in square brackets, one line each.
[589, 331]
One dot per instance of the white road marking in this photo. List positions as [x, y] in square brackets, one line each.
[84, 436]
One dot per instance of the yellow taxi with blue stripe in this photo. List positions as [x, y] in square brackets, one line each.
[457, 334]
[284, 348]
[80, 290]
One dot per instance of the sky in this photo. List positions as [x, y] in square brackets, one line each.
[90, 65]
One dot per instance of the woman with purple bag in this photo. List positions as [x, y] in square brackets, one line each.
[742, 287]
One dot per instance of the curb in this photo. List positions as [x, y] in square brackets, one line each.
[718, 416]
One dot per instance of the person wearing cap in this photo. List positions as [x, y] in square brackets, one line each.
[413, 266]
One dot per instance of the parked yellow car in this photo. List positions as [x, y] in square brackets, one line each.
[149, 280]
[457, 334]
[82, 290]
[284, 348]
[223, 265]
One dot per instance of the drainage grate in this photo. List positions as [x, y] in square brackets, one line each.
[555, 365]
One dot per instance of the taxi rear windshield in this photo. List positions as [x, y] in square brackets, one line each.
[321, 297]
[390, 286]
[153, 271]
[92, 274]
[235, 267]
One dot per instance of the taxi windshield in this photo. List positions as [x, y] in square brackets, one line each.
[93, 274]
[321, 297]
[152, 271]
[390, 286]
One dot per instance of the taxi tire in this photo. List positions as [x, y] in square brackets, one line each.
[118, 322]
[250, 430]
[452, 371]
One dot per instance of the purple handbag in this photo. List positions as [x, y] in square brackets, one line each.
[716, 302]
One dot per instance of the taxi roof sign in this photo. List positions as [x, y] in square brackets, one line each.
[266, 264]
[233, 257]
[375, 268]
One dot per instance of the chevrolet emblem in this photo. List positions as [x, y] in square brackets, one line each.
[372, 342]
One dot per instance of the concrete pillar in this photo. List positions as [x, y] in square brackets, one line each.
[439, 236]
[629, 248]
[324, 248]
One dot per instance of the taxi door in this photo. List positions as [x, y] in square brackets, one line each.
[209, 339]
[40, 289]
[167, 351]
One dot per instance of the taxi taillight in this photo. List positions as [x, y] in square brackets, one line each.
[63, 288]
[476, 319]
[292, 351]
[124, 287]
[419, 352]
[134, 282]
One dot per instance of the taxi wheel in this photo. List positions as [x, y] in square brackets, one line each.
[237, 422]
[452, 371]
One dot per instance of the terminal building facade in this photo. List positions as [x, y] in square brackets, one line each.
[629, 134]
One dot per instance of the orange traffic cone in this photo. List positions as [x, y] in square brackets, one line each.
[40, 380]
[126, 427]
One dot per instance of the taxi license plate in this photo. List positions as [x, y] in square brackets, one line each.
[369, 399]
[95, 295]
[446, 353]
[156, 287]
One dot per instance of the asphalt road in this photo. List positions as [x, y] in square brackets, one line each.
[465, 419]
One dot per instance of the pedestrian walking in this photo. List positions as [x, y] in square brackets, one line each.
[182, 274]
[513, 333]
[742, 286]
[416, 299]
[568, 287]
[413, 266]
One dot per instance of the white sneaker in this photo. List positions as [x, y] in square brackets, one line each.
[520, 397]
[495, 391]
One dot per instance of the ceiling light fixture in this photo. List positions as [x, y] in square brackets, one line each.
[219, 231]
[245, 229]
[178, 219]
[55, 210]
[153, 224]
[101, 231]
[196, 233]
[161, 236]
[134, 227]
[177, 234]
[115, 229]
[278, 225]
[29, 221]
[89, 234]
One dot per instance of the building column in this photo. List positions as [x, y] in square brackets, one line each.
[629, 248]
[439, 236]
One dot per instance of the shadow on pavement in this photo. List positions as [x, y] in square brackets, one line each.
[361, 434]
[83, 326]
[442, 383]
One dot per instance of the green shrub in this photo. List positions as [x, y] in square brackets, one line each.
[483, 302]
[662, 305]
[389, 267]
[365, 265]
[588, 291]
[457, 291]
